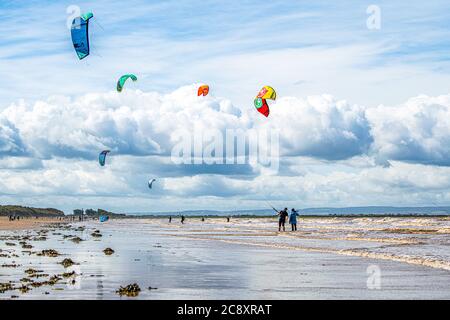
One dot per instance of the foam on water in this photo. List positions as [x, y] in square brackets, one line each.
[417, 241]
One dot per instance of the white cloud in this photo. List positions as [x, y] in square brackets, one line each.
[417, 131]
[329, 152]
[320, 126]
[133, 123]
[141, 124]
[10, 141]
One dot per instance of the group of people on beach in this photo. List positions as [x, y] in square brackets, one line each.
[183, 219]
[283, 215]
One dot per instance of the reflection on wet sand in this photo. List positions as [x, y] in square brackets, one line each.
[217, 259]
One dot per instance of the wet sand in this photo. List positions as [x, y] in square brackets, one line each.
[328, 258]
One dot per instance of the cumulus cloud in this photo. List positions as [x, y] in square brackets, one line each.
[10, 140]
[141, 124]
[329, 150]
[417, 131]
[321, 127]
[132, 123]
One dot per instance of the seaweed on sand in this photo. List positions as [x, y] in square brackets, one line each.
[10, 265]
[6, 287]
[24, 289]
[42, 238]
[49, 253]
[108, 251]
[38, 275]
[51, 282]
[31, 271]
[76, 240]
[67, 263]
[37, 284]
[132, 290]
[68, 274]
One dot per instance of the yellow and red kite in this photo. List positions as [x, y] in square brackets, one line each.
[203, 90]
[266, 93]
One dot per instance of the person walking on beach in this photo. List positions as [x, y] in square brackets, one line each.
[228, 219]
[293, 219]
[182, 219]
[170, 219]
[283, 214]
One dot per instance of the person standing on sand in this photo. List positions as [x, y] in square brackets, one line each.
[293, 219]
[283, 214]
[228, 219]
[182, 219]
[170, 219]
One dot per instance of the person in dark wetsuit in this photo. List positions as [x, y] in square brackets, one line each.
[170, 219]
[182, 219]
[283, 214]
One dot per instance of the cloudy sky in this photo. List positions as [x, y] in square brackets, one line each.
[362, 115]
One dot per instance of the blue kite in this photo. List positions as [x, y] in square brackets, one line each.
[102, 157]
[80, 34]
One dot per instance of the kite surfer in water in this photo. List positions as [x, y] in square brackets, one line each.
[293, 219]
[283, 214]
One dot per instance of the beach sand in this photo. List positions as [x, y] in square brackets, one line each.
[328, 258]
[25, 223]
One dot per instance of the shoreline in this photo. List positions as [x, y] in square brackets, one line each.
[26, 223]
